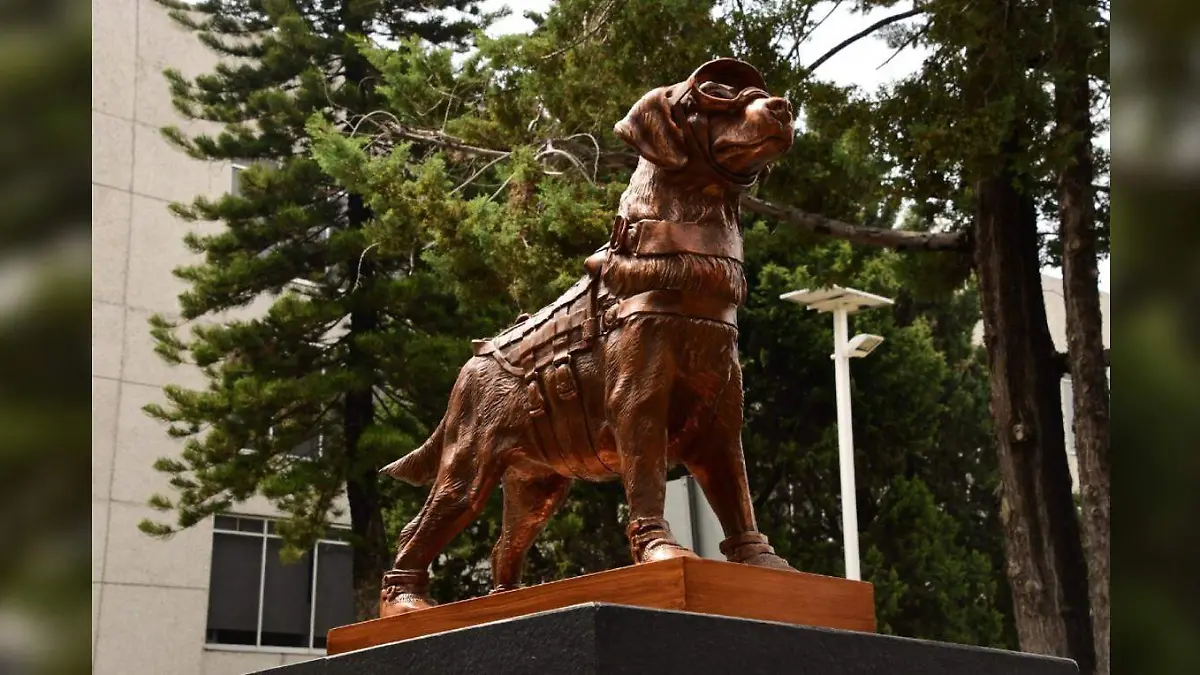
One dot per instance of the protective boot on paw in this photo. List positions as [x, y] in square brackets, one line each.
[650, 539]
[752, 548]
[404, 591]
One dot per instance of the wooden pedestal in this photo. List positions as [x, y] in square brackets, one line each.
[690, 585]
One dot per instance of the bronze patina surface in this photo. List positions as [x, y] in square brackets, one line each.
[632, 370]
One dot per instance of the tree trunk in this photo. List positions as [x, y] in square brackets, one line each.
[1045, 558]
[362, 487]
[1074, 43]
[366, 521]
[362, 480]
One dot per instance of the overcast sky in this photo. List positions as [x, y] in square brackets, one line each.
[860, 64]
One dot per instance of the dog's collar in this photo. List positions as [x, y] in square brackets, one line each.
[648, 237]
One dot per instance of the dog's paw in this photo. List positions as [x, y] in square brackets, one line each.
[666, 550]
[403, 603]
[768, 560]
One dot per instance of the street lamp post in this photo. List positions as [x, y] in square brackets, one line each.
[843, 302]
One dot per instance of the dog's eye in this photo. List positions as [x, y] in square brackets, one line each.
[716, 90]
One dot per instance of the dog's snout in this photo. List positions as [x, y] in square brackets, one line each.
[780, 108]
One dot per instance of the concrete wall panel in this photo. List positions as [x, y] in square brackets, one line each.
[140, 441]
[95, 614]
[110, 243]
[155, 249]
[112, 155]
[162, 41]
[99, 537]
[114, 23]
[150, 629]
[183, 560]
[238, 663]
[163, 171]
[143, 365]
[104, 428]
[107, 337]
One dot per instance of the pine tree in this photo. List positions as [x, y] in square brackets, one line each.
[303, 401]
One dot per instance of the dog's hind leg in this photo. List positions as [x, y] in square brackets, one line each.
[529, 502]
[466, 475]
[458, 496]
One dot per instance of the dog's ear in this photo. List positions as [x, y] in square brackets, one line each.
[649, 129]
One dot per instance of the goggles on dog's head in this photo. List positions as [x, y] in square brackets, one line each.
[721, 85]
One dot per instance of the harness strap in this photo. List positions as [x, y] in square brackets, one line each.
[679, 303]
[557, 390]
[544, 433]
[488, 348]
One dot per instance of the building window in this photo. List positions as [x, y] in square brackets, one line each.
[305, 450]
[310, 449]
[255, 599]
[235, 187]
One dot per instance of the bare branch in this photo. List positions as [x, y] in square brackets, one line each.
[600, 23]
[886, 21]
[449, 142]
[501, 189]
[907, 43]
[477, 173]
[901, 240]
[551, 150]
[800, 40]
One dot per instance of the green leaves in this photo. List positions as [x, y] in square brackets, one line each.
[929, 582]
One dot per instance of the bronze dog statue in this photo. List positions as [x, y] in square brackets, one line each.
[633, 369]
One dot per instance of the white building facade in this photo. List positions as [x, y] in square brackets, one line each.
[214, 599]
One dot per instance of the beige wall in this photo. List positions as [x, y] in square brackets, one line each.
[149, 597]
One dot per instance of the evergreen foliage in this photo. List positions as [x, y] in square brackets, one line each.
[937, 141]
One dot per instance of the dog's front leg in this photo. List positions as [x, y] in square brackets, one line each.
[716, 461]
[640, 367]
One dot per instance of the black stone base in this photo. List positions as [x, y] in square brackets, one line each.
[600, 639]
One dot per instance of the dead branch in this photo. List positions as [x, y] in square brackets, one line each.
[900, 240]
[886, 21]
[605, 16]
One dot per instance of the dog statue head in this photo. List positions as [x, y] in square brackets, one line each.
[719, 125]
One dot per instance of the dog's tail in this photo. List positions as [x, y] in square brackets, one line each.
[420, 466]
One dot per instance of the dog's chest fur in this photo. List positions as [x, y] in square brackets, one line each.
[719, 278]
